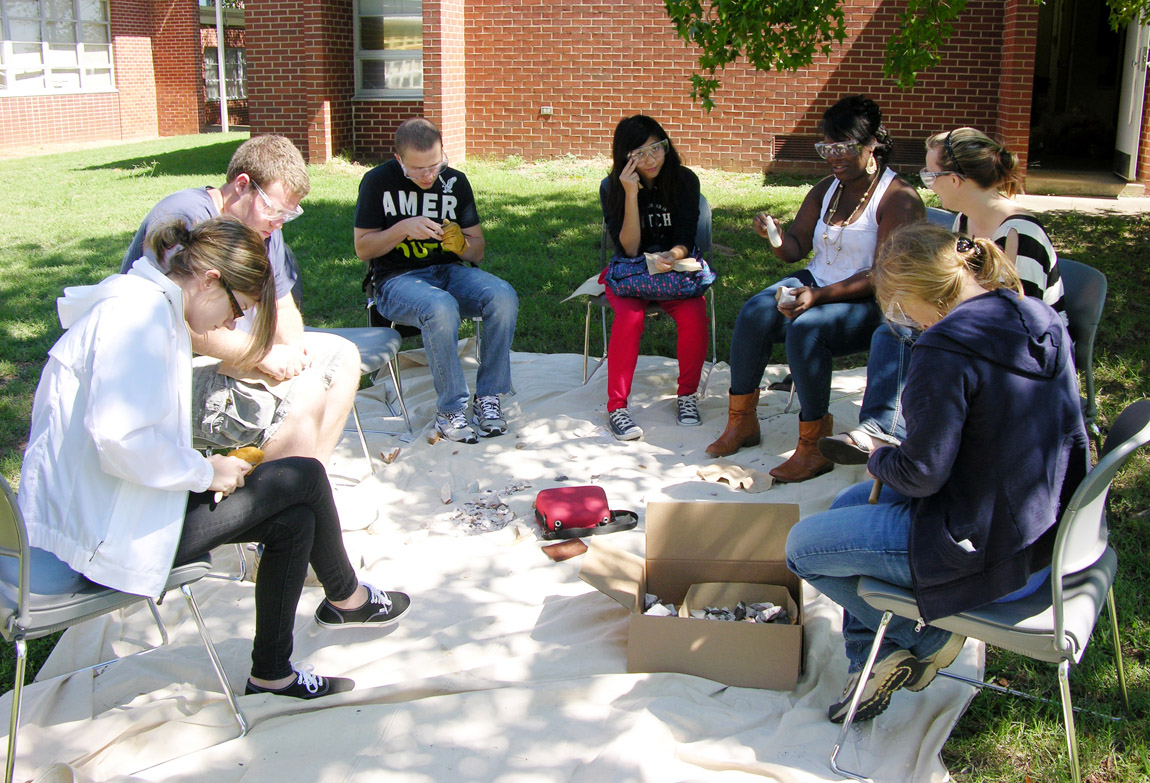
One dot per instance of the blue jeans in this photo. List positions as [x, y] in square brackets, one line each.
[881, 414]
[436, 299]
[812, 340]
[833, 549]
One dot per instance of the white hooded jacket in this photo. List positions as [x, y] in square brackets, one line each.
[105, 480]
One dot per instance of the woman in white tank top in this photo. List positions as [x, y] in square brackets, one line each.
[843, 219]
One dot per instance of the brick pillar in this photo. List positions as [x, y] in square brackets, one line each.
[176, 62]
[135, 72]
[445, 73]
[1016, 85]
[300, 72]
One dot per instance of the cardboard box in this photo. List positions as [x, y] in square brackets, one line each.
[692, 543]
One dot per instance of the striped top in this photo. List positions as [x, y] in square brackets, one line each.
[1037, 262]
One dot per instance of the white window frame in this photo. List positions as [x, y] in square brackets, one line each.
[88, 82]
[374, 55]
[234, 72]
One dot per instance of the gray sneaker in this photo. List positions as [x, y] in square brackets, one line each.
[888, 675]
[623, 427]
[454, 426]
[487, 416]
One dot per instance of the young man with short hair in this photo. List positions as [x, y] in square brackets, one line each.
[296, 400]
[417, 228]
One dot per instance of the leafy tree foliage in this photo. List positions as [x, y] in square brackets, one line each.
[785, 35]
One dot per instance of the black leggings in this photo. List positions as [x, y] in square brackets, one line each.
[287, 506]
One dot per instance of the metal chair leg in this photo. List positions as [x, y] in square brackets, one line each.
[1117, 648]
[1068, 719]
[586, 341]
[215, 658]
[714, 346]
[362, 439]
[225, 577]
[160, 621]
[393, 368]
[864, 675]
[17, 692]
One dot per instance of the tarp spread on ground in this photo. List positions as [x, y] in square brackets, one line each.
[508, 668]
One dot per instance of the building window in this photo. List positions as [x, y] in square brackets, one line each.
[235, 67]
[389, 48]
[52, 46]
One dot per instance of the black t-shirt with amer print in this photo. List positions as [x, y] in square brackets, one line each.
[386, 197]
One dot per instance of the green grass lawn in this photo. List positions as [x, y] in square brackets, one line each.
[70, 218]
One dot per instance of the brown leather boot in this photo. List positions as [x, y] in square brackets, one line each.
[807, 462]
[742, 425]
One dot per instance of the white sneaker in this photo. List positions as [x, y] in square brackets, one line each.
[454, 426]
[688, 411]
[487, 416]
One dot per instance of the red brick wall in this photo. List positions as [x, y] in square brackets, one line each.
[445, 72]
[375, 123]
[300, 77]
[595, 62]
[176, 54]
[1016, 82]
[135, 69]
[54, 119]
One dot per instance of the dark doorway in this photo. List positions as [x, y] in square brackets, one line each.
[1077, 77]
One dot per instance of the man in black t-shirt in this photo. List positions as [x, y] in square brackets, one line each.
[417, 228]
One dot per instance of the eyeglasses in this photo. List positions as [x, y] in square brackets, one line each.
[274, 213]
[427, 171]
[237, 311]
[928, 177]
[650, 152]
[837, 149]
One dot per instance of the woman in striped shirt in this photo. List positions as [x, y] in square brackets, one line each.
[978, 178]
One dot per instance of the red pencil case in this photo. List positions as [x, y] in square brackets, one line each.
[574, 512]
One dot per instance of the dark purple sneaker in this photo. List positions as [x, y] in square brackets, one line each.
[381, 608]
[307, 686]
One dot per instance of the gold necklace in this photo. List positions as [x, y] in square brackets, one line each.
[837, 242]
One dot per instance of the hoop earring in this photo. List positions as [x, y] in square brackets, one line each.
[871, 165]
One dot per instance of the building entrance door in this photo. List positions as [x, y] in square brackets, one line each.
[1130, 107]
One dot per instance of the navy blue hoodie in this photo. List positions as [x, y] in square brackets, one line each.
[995, 447]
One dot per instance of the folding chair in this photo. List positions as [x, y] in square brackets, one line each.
[40, 595]
[596, 298]
[1054, 623]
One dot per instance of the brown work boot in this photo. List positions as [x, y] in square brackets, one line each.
[806, 462]
[742, 425]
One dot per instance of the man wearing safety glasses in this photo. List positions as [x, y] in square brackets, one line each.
[295, 401]
[417, 229]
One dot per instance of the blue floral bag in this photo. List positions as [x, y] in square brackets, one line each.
[628, 277]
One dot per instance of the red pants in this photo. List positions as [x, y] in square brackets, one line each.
[690, 316]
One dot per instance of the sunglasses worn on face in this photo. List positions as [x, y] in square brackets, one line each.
[237, 311]
[928, 177]
[650, 152]
[427, 171]
[274, 213]
[895, 315]
[837, 149]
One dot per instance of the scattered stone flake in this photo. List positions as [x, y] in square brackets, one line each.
[445, 493]
[388, 457]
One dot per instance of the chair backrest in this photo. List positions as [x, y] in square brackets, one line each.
[1083, 531]
[940, 217]
[14, 543]
[703, 234]
[1084, 298]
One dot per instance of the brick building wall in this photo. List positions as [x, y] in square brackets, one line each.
[375, 123]
[176, 54]
[445, 72]
[237, 107]
[135, 70]
[595, 62]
